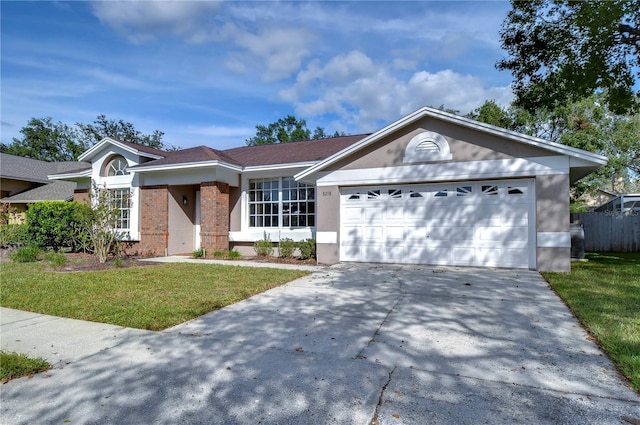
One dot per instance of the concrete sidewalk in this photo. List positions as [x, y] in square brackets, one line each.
[345, 345]
[242, 263]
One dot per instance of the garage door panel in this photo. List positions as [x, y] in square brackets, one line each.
[372, 233]
[468, 223]
[395, 233]
[372, 214]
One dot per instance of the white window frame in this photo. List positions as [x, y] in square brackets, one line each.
[285, 198]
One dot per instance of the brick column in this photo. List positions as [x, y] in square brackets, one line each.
[154, 220]
[214, 216]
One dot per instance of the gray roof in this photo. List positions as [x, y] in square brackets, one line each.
[35, 171]
[54, 191]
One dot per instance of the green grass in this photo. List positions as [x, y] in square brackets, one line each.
[14, 365]
[604, 293]
[151, 297]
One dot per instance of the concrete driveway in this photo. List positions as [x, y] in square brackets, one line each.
[347, 345]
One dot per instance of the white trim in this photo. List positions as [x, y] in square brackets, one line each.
[326, 237]
[184, 165]
[279, 166]
[114, 142]
[595, 159]
[554, 239]
[471, 170]
[274, 233]
[64, 176]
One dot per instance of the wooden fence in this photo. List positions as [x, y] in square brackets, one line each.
[610, 231]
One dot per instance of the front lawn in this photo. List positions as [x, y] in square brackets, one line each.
[604, 293]
[152, 297]
[14, 365]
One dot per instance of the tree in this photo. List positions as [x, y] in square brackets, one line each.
[46, 140]
[585, 124]
[563, 51]
[100, 222]
[287, 129]
[102, 127]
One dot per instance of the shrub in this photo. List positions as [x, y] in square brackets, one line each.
[307, 249]
[263, 247]
[26, 254]
[233, 254]
[199, 253]
[55, 224]
[118, 262]
[11, 234]
[286, 246]
[55, 259]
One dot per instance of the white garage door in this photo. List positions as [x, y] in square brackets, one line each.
[466, 223]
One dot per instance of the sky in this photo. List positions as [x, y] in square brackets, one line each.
[207, 72]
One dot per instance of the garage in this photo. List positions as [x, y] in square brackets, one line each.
[471, 223]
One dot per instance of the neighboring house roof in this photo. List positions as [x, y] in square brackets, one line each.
[54, 191]
[585, 160]
[35, 172]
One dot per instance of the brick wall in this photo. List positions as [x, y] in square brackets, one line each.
[81, 195]
[154, 220]
[214, 216]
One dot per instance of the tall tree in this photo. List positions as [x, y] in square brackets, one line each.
[102, 127]
[287, 129]
[563, 50]
[46, 140]
[586, 124]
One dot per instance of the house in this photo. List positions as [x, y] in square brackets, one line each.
[24, 181]
[622, 203]
[429, 188]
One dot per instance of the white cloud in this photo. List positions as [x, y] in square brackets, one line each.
[365, 96]
[142, 21]
[279, 51]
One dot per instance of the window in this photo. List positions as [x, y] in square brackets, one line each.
[298, 204]
[281, 202]
[117, 167]
[121, 199]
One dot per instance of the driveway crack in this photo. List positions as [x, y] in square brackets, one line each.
[374, 420]
[377, 332]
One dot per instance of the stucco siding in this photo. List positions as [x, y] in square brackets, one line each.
[552, 203]
[465, 145]
[235, 207]
[554, 259]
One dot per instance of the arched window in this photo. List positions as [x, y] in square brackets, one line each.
[427, 146]
[117, 166]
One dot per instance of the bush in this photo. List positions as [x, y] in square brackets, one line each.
[286, 247]
[233, 254]
[199, 253]
[263, 247]
[55, 224]
[26, 254]
[307, 249]
[55, 259]
[13, 234]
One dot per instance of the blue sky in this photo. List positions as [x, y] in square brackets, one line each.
[205, 73]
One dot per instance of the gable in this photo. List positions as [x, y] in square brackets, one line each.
[462, 144]
[462, 140]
